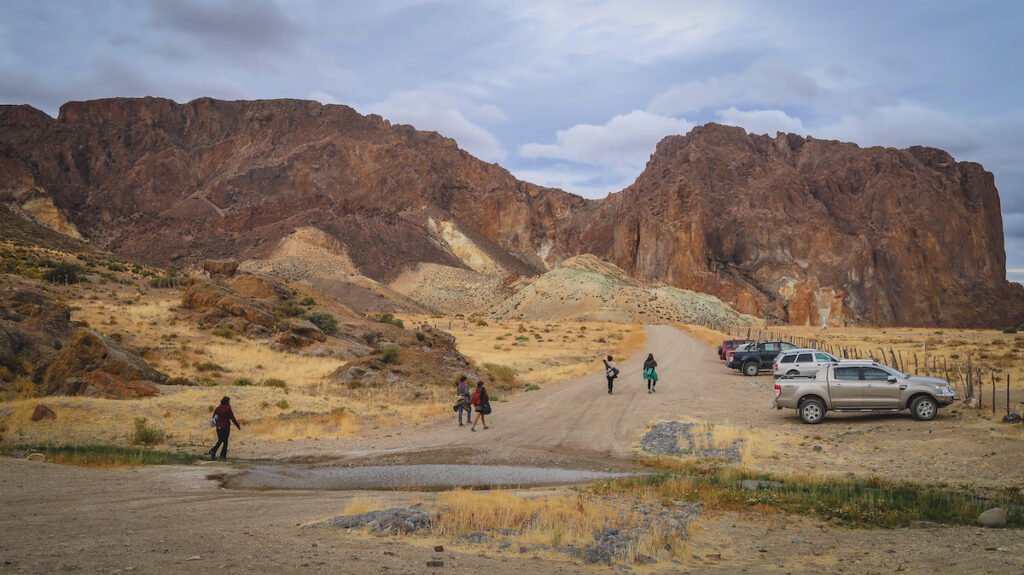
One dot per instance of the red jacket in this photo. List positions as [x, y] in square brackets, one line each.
[480, 397]
[225, 416]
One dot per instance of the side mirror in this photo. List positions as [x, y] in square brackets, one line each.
[891, 379]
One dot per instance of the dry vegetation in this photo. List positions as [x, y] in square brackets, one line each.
[540, 352]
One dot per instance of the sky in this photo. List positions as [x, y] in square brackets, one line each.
[572, 94]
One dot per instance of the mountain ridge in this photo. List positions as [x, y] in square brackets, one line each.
[775, 226]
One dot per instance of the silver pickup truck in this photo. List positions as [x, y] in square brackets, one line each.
[862, 386]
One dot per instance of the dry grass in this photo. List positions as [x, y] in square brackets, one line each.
[554, 520]
[334, 425]
[540, 352]
[360, 505]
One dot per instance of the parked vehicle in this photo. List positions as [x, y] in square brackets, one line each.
[758, 356]
[801, 362]
[862, 386]
[742, 347]
[730, 345]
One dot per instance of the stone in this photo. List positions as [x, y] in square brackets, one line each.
[995, 517]
[42, 412]
[226, 267]
[95, 366]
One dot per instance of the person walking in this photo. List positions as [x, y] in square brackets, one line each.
[223, 417]
[611, 371]
[481, 401]
[462, 400]
[650, 375]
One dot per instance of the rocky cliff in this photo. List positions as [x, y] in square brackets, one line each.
[793, 229]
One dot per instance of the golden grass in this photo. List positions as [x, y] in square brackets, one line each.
[360, 505]
[544, 352]
[334, 425]
[554, 520]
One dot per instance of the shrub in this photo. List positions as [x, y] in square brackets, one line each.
[243, 381]
[307, 301]
[208, 366]
[283, 404]
[179, 381]
[371, 337]
[532, 387]
[387, 318]
[325, 321]
[225, 332]
[390, 355]
[420, 336]
[290, 308]
[64, 273]
[275, 382]
[146, 434]
[1010, 330]
[170, 280]
[501, 373]
[481, 323]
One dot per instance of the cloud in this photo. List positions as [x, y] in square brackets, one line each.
[903, 124]
[245, 30]
[625, 140]
[761, 121]
[431, 110]
[763, 82]
[577, 179]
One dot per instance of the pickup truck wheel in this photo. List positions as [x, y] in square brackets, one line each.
[751, 368]
[811, 411]
[923, 408]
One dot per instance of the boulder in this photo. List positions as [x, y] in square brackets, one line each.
[995, 517]
[94, 365]
[205, 296]
[305, 328]
[221, 267]
[261, 287]
[42, 412]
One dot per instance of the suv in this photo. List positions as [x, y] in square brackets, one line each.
[758, 356]
[801, 362]
[863, 386]
[730, 345]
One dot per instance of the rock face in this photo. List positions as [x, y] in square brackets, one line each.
[797, 230]
[95, 366]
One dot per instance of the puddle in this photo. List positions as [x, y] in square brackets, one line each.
[409, 477]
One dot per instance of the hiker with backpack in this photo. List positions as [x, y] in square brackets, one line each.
[611, 371]
[650, 375]
[223, 417]
[462, 400]
[481, 401]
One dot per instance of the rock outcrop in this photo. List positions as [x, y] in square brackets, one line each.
[94, 366]
[794, 229]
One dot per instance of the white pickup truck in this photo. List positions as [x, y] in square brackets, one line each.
[862, 386]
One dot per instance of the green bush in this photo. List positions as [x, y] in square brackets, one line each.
[225, 332]
[387, 318]
[1010, 330]
[146, 434]
[501, 373]
[325, 321]
[390, 355]
[243, 381]
[64, 273]
[307, 301]
[274, 382]
[283, 404]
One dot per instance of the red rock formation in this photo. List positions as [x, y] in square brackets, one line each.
[798, 230]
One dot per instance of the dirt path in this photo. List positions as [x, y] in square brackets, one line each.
[578, 423]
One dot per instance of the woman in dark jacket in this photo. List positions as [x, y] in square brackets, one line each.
[223, 418]
[482, 404]
[650, 375]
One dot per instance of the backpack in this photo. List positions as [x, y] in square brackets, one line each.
[612, 372]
